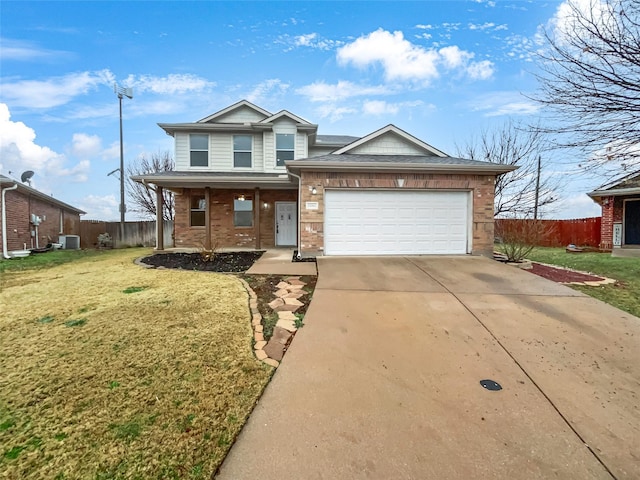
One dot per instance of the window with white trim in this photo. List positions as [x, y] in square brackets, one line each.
[285, 148]
[197, 214]
[199, 150]
[242, 211]
[242, 146]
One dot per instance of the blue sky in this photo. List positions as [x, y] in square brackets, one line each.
[441, 70]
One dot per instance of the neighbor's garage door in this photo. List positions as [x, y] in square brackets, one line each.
[392, 222]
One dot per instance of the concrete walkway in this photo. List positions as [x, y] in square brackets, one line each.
[280, 262]
[383, 380]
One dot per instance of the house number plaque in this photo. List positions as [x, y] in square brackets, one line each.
[311, 205]
[617, 234]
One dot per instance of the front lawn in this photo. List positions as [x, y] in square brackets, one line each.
[111, 370]
[625, 294]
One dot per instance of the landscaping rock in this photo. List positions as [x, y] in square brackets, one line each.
[278, 302]
[293, 301]
[260, 354]
[282, 285]
[272, 362]
[280, 335]
[259, 345]
[287, 325]
[274, 350]
[281, 293]
[286, 315]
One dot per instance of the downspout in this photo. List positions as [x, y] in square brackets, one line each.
[299, 256]
[5, 253]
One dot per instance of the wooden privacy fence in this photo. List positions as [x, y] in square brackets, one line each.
[135, 233]
[582, 232]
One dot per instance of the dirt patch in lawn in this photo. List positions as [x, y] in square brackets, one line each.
[562, 275]
[221, 262]
[115, 371]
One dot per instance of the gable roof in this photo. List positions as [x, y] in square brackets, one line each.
[286, 113]
[391, 129]
[415, 163]
[626, 185]
[9, 182]
[231, 108]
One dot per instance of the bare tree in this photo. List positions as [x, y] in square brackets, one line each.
[522, 192]
[143, 197]
[590, 81]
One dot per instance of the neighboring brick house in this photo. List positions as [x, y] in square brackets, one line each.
[620, 202]
[248, 178]
[25, 207]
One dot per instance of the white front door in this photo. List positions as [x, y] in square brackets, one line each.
[286, 221]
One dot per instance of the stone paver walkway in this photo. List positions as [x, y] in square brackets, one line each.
[285, 303]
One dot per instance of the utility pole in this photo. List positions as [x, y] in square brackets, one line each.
[535, 207]
[122, 92]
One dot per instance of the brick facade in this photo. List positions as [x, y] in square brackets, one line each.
[481, 186]
[612, 213]
[20, 206]
[223, 231]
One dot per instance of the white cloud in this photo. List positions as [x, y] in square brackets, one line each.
[403, 61]
[487, 26]
[305, 40]
[480, 70]
[84, 145]
[504, 103]
[576, 206]
[333, 112]
[563, 25]
[400, 59]
[19, 152]
[100, 207]
[324, 92]
[54, 91]
[453, 57]
[19, 50]
[172, 84]
[380, 108]
[424, 27]
[267, 89]
[308, 40]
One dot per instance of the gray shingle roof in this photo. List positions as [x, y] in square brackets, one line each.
[390, 159]
[335, 139]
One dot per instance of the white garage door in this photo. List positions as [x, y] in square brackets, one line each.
[393, 222]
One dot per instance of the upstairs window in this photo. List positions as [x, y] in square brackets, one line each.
[285, 149]
[242, 151]
[199, 149]
[242, 211]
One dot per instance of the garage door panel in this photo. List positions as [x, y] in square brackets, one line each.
[395, 222]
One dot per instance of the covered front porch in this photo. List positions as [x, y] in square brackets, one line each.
[215, 211]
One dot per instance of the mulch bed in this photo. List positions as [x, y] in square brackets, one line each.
[561, 275]
[222, 262]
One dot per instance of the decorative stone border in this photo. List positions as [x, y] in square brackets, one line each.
[285, 304]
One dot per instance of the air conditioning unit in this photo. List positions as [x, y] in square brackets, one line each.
[69, 242]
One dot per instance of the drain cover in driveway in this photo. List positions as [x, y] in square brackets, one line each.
[490, 385]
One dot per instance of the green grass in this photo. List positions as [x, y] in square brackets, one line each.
[624, 294]
[99, 384]
[46, 260]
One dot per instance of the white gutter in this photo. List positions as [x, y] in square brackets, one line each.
[299, 212]
[5, 253]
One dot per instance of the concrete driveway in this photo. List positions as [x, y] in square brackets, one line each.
[383, 380]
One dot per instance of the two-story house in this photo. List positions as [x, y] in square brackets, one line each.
[246, 177]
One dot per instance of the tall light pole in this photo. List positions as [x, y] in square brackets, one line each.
[122, 92]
